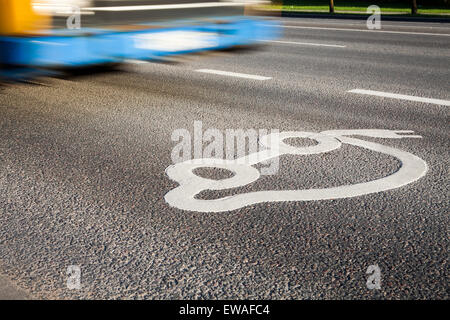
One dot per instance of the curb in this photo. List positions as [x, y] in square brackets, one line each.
[386, 17]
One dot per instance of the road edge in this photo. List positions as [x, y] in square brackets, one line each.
[9, 291]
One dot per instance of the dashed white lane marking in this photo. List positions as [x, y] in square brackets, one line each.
[367, 30]
[305, 43]
[168, 6]
[401, 96]
[234, 74]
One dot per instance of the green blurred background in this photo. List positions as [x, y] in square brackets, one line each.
[395, 6]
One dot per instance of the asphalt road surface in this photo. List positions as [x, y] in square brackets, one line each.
[83, 160]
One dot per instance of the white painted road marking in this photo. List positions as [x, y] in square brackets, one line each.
[373, 31]
[305, 43]
[183, 197]
[363, 25]
[136, 61]
[175, 40]
[234, 74]
[168, 6]
[401, 96]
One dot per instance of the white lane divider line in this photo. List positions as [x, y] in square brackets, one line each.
[305, 43]
[234, 74]
[363, 25]
[168, 6]
[401, 96]
[373, 31]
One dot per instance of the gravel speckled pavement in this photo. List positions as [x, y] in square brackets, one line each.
[83, 159]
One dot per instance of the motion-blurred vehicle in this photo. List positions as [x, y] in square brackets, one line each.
[40, 36]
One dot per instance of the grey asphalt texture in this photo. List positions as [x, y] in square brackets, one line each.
[83, 159]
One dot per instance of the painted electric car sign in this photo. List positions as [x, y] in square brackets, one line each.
[183, 197]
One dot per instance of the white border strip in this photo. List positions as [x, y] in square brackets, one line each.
[169, 6]
[373, 31]
[401, 97]
[234, 74]
[306, 43]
